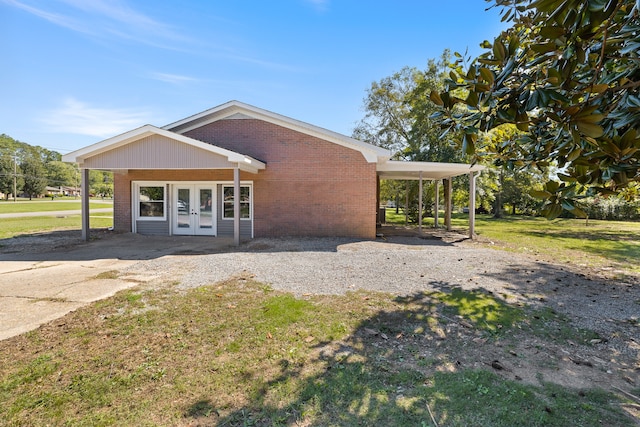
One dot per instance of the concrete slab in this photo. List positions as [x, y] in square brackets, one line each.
[37, 286]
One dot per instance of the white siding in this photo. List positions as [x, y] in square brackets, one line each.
[156, 152]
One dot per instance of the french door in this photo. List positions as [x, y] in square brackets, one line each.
[194, 209]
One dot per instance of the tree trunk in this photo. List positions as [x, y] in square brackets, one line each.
[497, 206]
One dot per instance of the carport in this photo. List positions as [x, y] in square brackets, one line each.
[436, 172]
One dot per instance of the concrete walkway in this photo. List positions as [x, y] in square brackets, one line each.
[36, 288]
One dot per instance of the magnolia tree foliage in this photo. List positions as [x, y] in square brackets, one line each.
[567, 75]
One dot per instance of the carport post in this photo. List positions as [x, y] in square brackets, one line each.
[437, 202]
[420, 204]
[236, 205]
[472, 204]
[447, 218]
[84, 182]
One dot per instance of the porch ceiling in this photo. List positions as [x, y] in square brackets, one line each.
[431, 171]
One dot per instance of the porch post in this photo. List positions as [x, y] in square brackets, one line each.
[236, 205]
[378, 219]
[420, 204]
[449, 197]
[472, 204]
[84, 182]
[437, 202]
[406, 205]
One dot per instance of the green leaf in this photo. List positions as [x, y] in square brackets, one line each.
[551, 211]
[472, 99]
[598, 88]
[590, 129]
[552, 32]
[552, 186]
[540, 194]
[499, 51]
[487, 75]
[435, 98]
[468, 143]
[522, 121]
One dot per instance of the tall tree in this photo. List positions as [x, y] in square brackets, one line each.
[398, 110]
[567, 74]
[34, 176]
[60, 173]
[8, 172]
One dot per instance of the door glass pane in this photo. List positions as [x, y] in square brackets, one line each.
[206, 212]
[184, 210]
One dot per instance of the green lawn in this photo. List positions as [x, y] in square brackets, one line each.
[601, 244]
[44, 205]
[11, 227]
[237, 353]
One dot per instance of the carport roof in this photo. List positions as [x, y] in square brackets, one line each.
[393, 169]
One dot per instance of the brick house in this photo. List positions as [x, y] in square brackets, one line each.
[293, 178]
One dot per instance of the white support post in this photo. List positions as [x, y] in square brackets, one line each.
[420, 204]
[437, 203]
[85, 203]
[472, 204]
[236, 205]
[406, 205]
[448, 207]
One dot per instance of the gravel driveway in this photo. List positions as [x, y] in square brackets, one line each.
[400, 265]
[409, 265]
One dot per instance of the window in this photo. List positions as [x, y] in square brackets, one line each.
[227, 202]
[151, 202]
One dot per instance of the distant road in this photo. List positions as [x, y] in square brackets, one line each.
[53, 213]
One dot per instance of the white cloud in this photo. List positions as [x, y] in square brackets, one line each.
[100, 19]
[173, 78]
[319, 5]
[76, 117]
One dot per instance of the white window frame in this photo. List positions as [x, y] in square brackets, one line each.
[222, 201]
[136, 200]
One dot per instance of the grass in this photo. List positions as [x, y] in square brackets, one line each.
[46, 205]
[600, 244]
[10, 227]
[238, 353]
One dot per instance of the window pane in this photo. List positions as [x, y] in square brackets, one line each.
[245, 202]
[151, 201]
[244, 194]
[244, 210]
[152, 193]
[227, 194]
[151, 209]
[228, 210]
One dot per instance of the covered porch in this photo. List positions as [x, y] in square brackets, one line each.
[439, 174]
[151, 161]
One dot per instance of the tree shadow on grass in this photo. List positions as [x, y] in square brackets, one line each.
[411, 366]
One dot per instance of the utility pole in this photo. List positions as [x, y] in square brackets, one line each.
[15, 176]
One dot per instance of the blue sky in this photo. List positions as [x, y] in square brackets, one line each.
[75, 72]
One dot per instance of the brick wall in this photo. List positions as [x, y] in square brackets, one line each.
[310, 187]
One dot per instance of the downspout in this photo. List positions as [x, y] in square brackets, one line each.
[84, 177]
[420, 205]
[236, 205]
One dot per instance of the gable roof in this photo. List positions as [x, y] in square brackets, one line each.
[244, 162]
[237, 109]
